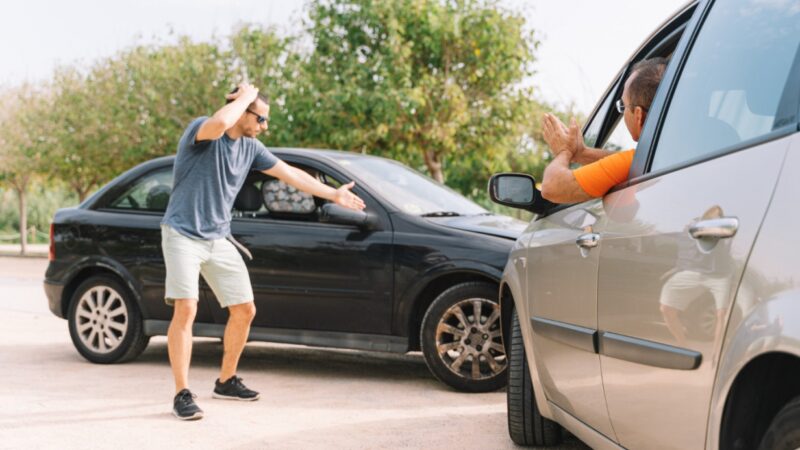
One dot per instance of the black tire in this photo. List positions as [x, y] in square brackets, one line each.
[526, 426]
[482, 341]
[120, 346]
[784, 431]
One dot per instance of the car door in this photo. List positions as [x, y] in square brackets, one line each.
[127, 229]
[310, 275]
[562, 270]
[678, 237]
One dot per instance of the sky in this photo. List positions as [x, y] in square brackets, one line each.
[583, 42]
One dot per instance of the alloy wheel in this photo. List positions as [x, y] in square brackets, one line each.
[469, 339]
[101, 319]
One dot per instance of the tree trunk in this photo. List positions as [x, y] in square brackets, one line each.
[23, 221]
[434, 164]
[81, 190]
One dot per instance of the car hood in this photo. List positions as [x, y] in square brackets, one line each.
[495, 225]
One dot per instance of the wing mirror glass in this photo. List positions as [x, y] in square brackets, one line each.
[518, 190]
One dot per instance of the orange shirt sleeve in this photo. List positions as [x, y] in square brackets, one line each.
[600, 176]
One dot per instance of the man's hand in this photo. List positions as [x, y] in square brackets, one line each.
[215, 126]
[245, 91]
[562, 138]
[344, 197]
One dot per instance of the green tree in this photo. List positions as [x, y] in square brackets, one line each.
[23, 144]
[133, 107]
[433, 83]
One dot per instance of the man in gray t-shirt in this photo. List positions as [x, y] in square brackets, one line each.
[215, 154]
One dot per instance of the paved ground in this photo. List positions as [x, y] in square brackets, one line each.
[50, 397]
[34, 250]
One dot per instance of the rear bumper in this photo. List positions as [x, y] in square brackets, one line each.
[54, 292]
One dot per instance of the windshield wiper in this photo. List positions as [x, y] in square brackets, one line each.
[441, 214]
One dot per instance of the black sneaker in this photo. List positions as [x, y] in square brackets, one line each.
[234, 389]
[184, 406]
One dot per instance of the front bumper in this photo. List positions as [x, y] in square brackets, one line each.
[54, 291]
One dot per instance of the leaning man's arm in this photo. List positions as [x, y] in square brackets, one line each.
[599, 177]
[559, 184]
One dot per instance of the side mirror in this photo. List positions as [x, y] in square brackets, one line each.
[333, 213]
[518, 190]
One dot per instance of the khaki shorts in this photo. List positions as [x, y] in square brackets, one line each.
[217, 260]
[686, 286]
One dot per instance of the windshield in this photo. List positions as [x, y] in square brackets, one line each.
[408, 190]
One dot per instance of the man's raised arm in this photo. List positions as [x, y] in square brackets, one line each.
[227, 116]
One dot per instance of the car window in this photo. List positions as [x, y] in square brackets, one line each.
[408, 190]
[733, 80]
[262, 196]
[620, 138]
[149, 193]
[592, 131]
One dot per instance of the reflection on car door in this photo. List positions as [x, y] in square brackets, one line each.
[677, 242]
[562, 304]
[664, 296]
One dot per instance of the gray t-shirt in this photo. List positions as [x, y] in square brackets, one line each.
[206, 179]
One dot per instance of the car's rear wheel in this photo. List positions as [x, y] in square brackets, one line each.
[104, 321]
[526, 426]
[461, 338]
[784, 431]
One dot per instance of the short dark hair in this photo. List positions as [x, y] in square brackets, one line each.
[263, 97]
[645, 77]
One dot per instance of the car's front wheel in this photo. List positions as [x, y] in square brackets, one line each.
[461, 338]
[526, 426]
[784, 431]
[104, 322]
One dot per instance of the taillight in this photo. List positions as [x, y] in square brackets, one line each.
[52, 254]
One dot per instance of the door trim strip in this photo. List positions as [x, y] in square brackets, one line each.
[576, 336]
[648, 352]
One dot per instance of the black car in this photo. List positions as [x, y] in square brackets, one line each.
[417, 270]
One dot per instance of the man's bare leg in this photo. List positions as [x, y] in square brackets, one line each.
[674, 324]
[179, 341]
[236, 332]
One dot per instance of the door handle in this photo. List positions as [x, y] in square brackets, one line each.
[588, 240]
[721, 228]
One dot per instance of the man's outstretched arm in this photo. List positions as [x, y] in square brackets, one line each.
[306, 183]
[559, 184]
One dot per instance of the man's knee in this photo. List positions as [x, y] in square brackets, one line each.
[184, 312]
[244, 311]
[668, 310]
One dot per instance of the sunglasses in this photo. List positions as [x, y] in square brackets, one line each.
[259, 118]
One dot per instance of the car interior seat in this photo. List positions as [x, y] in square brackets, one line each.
[158, 197]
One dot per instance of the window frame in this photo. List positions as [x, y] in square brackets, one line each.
[648, 142]
[680, 24]
[373, 205]
[104, 202]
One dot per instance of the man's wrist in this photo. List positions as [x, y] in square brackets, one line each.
[565, 155]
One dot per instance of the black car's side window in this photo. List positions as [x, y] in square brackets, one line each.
[281, 198]
[269, 198]
[731, 86]
[149, 193]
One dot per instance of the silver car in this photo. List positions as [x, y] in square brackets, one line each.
[666, 314]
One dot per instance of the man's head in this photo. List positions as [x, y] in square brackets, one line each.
[640, 88]
[256, 118]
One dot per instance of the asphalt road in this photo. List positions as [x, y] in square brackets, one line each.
[50, 397]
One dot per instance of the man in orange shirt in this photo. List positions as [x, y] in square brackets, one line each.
[602, 169]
